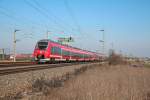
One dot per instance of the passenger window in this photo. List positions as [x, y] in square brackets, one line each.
[56, 50]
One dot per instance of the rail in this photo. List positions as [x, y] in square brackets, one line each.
[19, 69]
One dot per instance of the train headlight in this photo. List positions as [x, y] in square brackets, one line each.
[35, 58]
[40, 52]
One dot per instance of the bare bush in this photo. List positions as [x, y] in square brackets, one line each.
[114, 59]
[43, 85]
[16, 96]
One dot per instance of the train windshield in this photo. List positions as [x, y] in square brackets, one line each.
[42, 45]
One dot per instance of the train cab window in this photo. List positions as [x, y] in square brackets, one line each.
[42, 45]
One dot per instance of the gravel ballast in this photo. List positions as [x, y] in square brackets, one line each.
[14, 83]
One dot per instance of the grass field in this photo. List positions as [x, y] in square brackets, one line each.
[117, 82]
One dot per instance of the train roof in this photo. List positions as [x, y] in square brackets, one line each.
[48, 40]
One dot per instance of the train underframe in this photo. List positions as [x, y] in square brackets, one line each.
[42, 59]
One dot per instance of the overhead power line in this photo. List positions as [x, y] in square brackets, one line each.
[11, 14]
[53, 16]
[70, 11]
[39, 10]
[8, 15]
[44, 10]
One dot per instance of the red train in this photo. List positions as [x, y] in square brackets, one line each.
[49, 51]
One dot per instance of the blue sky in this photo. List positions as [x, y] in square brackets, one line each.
[126, 24]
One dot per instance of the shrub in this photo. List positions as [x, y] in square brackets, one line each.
[114, 58]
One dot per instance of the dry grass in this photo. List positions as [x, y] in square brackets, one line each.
[45, 86]
[120, 82]
[147, 65]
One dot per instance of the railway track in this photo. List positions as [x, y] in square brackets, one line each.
[4, 64]
[18, 69]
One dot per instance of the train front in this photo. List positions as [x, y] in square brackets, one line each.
[42, 51]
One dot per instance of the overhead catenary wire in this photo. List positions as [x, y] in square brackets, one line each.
[72, 15]
[76, 23]
[53, 16]
[16, 20]
[27, 21]
[39, 10]
[46, 11]
[70, 11]
[8, 13]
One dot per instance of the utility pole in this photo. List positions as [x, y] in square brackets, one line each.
[3, 50]
[112, 46]
[103, 41]
[47, 34]
[14, 45]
